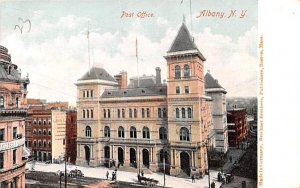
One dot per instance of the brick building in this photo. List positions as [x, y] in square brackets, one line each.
[71, 132]
[13, 110]
[237, 126]
[141, 124]
[46, 130]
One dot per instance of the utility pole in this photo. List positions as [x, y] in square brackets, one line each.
[164, 159]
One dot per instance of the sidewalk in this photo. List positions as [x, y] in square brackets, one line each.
[100, 172]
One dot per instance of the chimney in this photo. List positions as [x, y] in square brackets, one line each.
[122, 79]
[158, 76]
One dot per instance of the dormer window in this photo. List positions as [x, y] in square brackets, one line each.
[125, 92]
[143, 91]
[108, 93]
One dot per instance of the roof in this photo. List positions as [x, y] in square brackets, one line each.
[144, 81]
[210, 82]
[96, 73]
[135, 92]
[184, 42]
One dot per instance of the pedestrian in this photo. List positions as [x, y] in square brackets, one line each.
[113, 176]
[193, 178]
[213, 185]
[107, 175]
[142, 173]
[219, 176]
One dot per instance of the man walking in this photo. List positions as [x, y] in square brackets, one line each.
[193, 178]
[107, 174]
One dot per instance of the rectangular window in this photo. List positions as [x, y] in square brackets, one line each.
[186, 89]
[14, 156]
[14, 132]
[1, 160]
[177, 90]
[143, 112]
[148, 112]
[83, 92]
[2, 132]
[92, 94]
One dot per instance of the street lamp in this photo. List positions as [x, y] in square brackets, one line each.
[207, 156]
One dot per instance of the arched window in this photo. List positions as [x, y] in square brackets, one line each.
[159, 113]
[162, 133]
[88, 131]
[121, 132]
[45, 144]
[45, 132]
[146, 132]
[40, 122]
[164, 113]
[49, 132]
[186, 71]
[183, 112]
[40, 143]
[148, 112]
[130, 112]
[44, 122]
[143, 112]
[34, 143]
[104, 113]
[1, 102]
[34, 131]
[119, 113]
[40, 132]
[106, 131]
[189, 112]
[34, 122]
[92, 114]
[184, 134]
[108, 113]
[135, 113]
[177, 72]
[123, 113]
[132, 132]
[49, 144]
[177, 112]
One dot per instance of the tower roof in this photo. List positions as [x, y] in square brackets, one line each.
[211, 83]
[97, 73]
[184, 42]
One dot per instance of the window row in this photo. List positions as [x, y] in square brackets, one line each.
[15, 134]
[14, 157]
[87, 93]
[162, 113]
[2, 102]
[41, 122]
[186, 71]
[40, 132]
[186, 89]
[132, 132]
[87, 113]
[184, 112]
[132, 113]
[41, 144]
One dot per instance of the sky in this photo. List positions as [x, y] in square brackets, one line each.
[53, 48]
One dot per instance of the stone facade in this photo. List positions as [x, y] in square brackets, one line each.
[13, 110]
[145, 126]
[220, 129]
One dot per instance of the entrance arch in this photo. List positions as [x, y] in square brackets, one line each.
[146, 161]
[87, 154]
[133, 157]
[121, 155]
[185, 162]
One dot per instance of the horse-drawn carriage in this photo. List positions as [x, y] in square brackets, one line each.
[147, 181]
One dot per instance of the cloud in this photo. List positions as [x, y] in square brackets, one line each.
[57, 55]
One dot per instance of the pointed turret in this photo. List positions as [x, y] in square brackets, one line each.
[184, 44]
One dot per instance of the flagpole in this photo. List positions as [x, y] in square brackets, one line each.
[88, 36]
[137, 62]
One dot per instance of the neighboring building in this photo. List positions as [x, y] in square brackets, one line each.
[218, 95]
[71, 147]
[59, 119]
[13, 110]
[237, 126]
[46, 130]
[139, 124]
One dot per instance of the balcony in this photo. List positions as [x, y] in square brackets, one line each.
[17, 112]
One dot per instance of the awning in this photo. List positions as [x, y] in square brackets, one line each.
[26, 152]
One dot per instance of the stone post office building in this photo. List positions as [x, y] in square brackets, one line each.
[140, 124]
